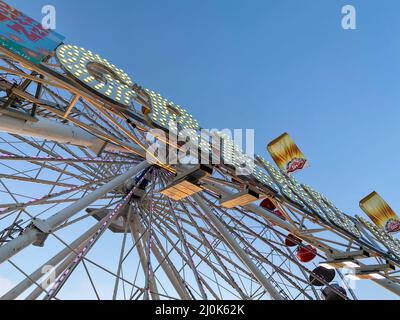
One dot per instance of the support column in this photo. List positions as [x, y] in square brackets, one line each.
[167, 266]
[274, 294]
[189, 257]
[47, 129]
[58, 270]
[122, 252]
[138, 240]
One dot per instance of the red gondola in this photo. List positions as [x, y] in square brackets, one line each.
[269, 205]
[292, 241]
[306, 254]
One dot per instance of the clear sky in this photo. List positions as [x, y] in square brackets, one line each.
[272, 65]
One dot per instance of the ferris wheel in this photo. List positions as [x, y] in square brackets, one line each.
[87, 212]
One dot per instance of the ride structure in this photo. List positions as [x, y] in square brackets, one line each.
[89, 211]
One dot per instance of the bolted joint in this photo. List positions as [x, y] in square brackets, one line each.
[44, 230]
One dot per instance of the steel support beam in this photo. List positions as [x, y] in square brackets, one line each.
[140, 240]
[38, 273]
[274, 294]
[224, 191]
[62, 133]
[33, 234]
[182, 238]
[389, 285]
[58, 270]
[165, 264]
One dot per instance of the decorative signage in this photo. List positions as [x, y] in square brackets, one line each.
[286, 154]
[380, 213]
[166, 115]
[97, 74]
[25, 36]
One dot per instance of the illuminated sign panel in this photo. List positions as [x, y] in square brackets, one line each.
[283, 186]
[298, 189]
[386, 239]
[25, 36]
[97, 73]
[232, 155]
[332, 213]
[311, 201]
[166, 115]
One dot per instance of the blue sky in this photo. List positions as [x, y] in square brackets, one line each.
[272, 65]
